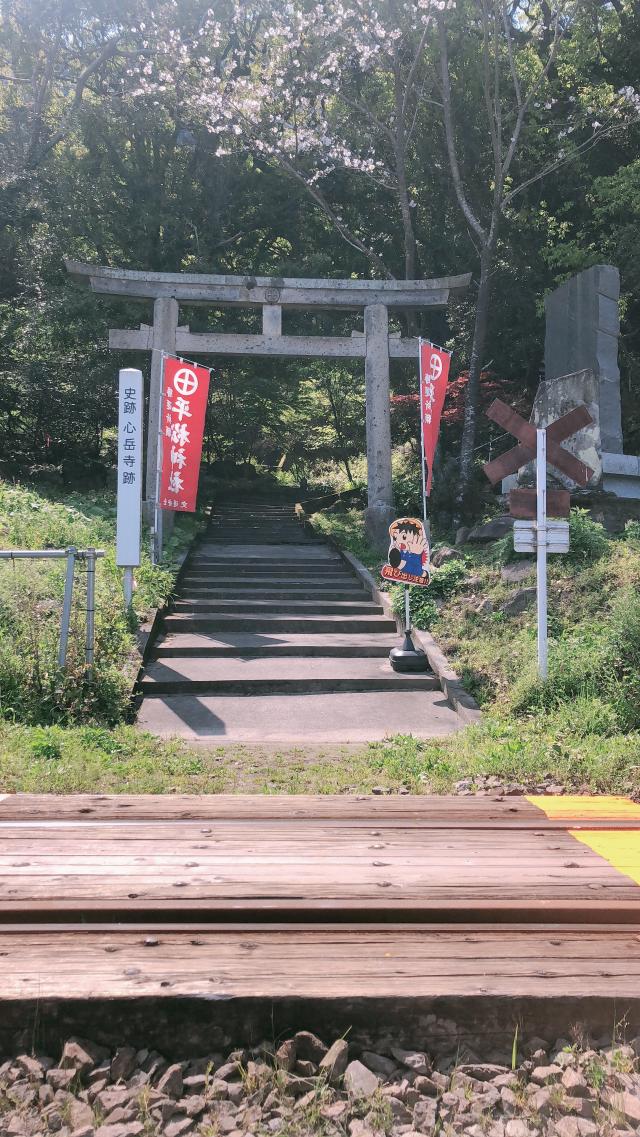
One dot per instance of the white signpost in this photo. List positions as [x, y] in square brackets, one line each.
[129, 518]
[541, 537]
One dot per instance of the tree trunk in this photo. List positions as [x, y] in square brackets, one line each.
[410, 246]
[340, 436]
[469, 431]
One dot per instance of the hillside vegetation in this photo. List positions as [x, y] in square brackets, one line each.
[581, 726]
[33, 690]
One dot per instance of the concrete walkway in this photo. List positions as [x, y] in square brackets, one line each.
[273, 638]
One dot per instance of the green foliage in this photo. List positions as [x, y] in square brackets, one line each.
[447, 579]
[407, 487]
[588, 539]
[347, 529]
[424, 611]
[599, 660]
[445, 583]
[139, 181]
[46, 742]
[632, 531]
[33, 689]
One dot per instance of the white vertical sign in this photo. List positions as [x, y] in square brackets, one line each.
[130, 403]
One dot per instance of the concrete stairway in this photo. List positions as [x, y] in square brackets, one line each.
[273, 637]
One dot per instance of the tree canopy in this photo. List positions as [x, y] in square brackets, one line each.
[395, 138]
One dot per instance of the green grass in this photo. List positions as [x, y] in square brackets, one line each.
[86, 759]
[33, 689]
[346, 527]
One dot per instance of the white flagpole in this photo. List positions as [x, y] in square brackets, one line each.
[157, 520]
[424, 469]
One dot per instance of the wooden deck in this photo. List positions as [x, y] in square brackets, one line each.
[346, 907]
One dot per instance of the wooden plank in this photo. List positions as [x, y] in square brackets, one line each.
[432, 811]
[523, 503]
[570, 423]
[298, 861]
[508, 463]
[235, 806]
[330, 965]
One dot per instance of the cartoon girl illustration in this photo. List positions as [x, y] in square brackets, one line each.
[408, 550]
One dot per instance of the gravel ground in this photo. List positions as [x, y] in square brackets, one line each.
[306, 1087]
[490, 785]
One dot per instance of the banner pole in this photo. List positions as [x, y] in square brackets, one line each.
[156, 547]
[427, 527]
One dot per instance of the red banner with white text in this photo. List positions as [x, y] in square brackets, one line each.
[184, 403]
[434, 374]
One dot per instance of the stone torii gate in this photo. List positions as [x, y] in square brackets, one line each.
[376, 346]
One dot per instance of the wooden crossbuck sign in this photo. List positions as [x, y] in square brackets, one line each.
[523, 504]
[525, 451]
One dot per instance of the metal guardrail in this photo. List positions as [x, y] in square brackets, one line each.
[71, 555]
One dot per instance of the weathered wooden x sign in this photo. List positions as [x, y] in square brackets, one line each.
[525, 451]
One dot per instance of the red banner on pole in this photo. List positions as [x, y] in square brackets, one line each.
[184, 404]
[434, 374]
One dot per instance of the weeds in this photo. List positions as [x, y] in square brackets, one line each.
[33, 689]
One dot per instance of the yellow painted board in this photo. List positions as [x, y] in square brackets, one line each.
[620, 848]
[578, 807]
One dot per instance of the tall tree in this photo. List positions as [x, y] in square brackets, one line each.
[516, 51]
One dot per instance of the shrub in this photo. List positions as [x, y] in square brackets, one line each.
[588, 538]
[45, 742]
[599, 661]
[33, 689]
[446, 580]
[424, 611]
[407, 490]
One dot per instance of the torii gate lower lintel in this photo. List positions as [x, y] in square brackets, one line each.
[376, 346]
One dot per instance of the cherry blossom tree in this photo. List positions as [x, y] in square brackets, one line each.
[313, 88]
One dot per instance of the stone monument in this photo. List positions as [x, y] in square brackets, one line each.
[582, 329]
[581, 366]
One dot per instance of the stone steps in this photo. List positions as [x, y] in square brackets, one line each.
[271, 607]
[279, 569]
[268, 624]
[272, 580]
[272, 636]
[266, 676]
[250, 645]
[229, 557]
[318, 719]
[298, 593]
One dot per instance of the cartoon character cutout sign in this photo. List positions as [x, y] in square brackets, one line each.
[408, 556]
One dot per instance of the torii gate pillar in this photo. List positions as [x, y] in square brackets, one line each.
[165, 324]
[380, 509]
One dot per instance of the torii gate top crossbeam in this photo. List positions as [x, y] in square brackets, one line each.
[237, 291]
